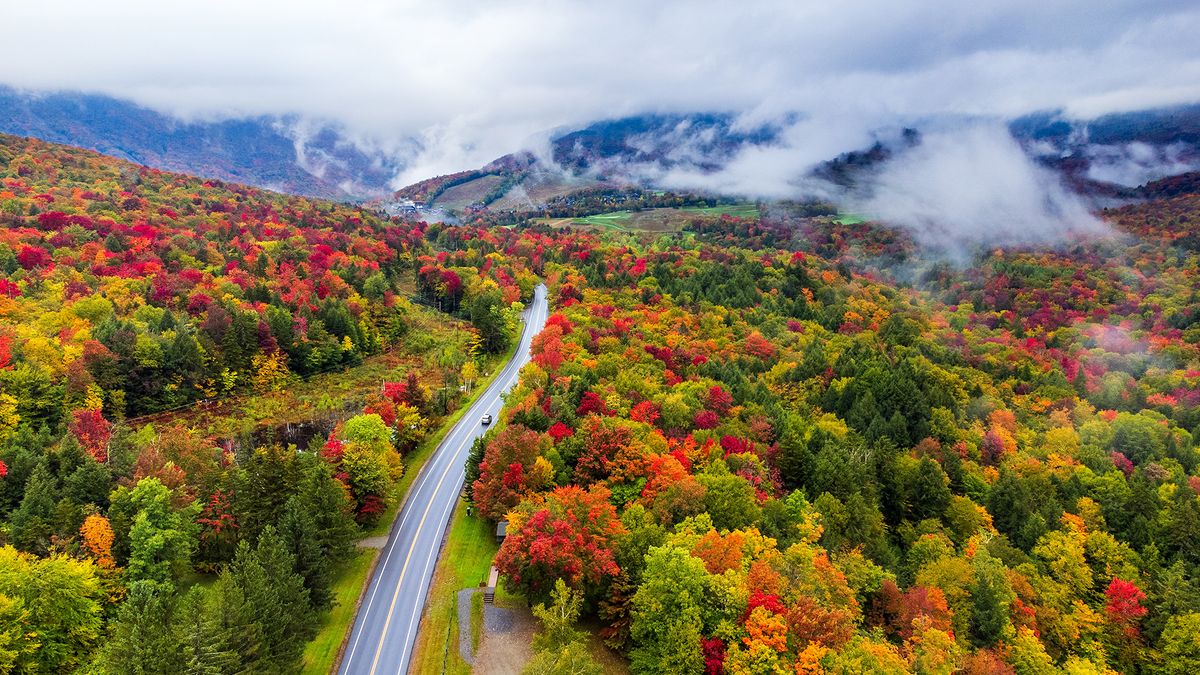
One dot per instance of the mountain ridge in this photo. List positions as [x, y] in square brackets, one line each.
[278, 153]
[1111, 157]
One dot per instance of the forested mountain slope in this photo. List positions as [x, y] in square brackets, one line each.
[778, 444]
[126, 291]
[750, 458]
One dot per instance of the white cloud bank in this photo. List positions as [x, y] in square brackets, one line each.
[473, 79]
[976, 185]
[1137, 163]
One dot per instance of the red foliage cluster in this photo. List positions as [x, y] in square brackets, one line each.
[93, 432]
[558, 431]
[714, 655]
[592, 404]
[33, 257]
[571, 538]
[1124, 604]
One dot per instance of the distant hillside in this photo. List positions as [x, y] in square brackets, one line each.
[276, 153]
[1111, 158]
[1113, 154]
[702, 140]
[1162, 126]
[605, 155]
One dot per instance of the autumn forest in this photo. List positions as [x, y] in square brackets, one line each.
[787, 443]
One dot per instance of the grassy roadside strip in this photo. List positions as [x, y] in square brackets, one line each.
[466, 556]
[323, 653]
[319, 655]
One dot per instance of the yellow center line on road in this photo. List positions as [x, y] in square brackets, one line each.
[418, 487]
[403, 664]
[417, 608]
[400, 582]
[511, 380]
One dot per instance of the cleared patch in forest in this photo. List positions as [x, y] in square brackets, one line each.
[539, 189]
[461, 196]
[654, 220]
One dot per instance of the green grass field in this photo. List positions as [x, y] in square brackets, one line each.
[735, 210]
[617, 220]
[654, 220]
[849, 219]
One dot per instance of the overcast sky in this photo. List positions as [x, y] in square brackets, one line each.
[477, 78]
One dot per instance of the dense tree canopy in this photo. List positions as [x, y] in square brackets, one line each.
[817, 467]
[782, 444]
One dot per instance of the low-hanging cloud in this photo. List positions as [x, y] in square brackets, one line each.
[1138, 163]
[958, 184]
[975, 185]
[472, 79]
[454, 84]
[777, 169]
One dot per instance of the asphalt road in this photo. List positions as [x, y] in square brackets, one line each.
[385, 629]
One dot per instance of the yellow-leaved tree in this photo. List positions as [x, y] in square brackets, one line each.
[97, 536]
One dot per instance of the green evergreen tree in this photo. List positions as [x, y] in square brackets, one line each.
[236, 626]
[474, 459]
[1011, 505]
[282, 326]
[184, 359]
[929, 493]
[298, 531]
[8, 260]
[795, 456]
[990, 598]
[32, 524]
[206, 647]
[1183, 528]
[269, 476]
[1172, 592]
[276, 597]
[142, 639]
[91, 483]
[331, 509]
[239, 344]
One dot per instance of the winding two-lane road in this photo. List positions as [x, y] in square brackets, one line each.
[385, 629]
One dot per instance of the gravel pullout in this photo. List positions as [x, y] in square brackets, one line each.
[465, 649]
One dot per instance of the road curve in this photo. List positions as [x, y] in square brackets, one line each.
[385, 629]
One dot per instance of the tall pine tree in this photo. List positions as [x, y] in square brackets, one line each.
[298, 531]
[276, 598]
[142, 640]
